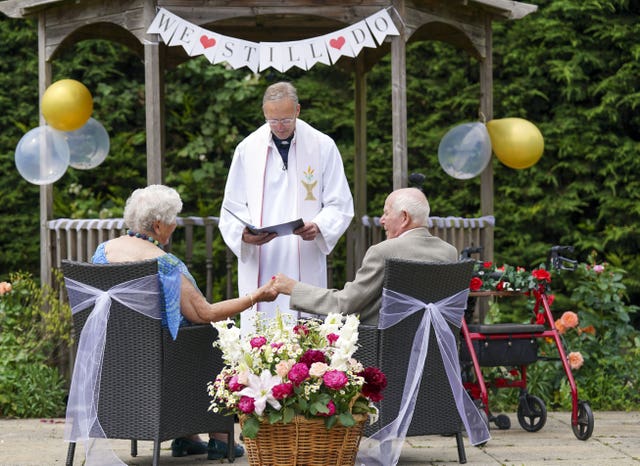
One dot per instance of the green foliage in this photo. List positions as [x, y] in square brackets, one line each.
[35, 328]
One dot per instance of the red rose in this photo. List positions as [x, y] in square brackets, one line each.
[541, 275]
[476, 284]
[282, 390]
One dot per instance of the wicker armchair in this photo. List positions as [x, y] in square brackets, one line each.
[152, 387]
[389, 349]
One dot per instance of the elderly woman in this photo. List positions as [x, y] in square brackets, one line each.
[150, 214]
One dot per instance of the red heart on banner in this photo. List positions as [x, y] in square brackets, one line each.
[207, 42]
[337, 43]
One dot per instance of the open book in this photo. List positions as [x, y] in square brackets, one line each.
[281, 229]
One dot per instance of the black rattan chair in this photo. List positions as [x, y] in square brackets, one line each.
[152, 387]
[436, 412]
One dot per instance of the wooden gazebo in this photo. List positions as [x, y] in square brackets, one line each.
[466, 24]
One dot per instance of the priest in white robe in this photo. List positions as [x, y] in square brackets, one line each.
[283, 171]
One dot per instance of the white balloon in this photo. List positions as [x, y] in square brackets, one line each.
[465, 151]
[42, 155]
[88, 145]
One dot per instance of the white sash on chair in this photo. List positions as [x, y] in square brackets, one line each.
[141, 295]
[384, 447]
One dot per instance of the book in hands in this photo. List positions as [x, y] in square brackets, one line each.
[281, 229]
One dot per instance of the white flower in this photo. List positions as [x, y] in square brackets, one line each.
[228, 340]
[260, 389]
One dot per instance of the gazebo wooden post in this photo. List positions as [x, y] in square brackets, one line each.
[154, 69]
[355, 250]
[399, 102]
[486, 107]
[46, 191]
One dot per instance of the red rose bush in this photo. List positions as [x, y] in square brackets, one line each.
[291, 368]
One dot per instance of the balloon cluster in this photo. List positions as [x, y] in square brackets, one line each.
[71, 138]
[465, 150]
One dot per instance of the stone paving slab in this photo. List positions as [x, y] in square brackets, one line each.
[615, 441]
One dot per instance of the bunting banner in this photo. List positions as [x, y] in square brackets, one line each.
[258, 56]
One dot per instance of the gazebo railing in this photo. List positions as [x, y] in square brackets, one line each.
[77, 239]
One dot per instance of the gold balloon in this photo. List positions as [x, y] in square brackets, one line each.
[67, 105]
[517, 143]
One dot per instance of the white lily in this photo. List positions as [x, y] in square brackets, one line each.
[260, 389]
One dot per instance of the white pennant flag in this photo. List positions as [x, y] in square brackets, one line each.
[314, 50]
[359, 37]
[381, 26]
[165, 24]
[206, 43]
[237, 53]
[270, 56]
[337, 45]
[184, 35]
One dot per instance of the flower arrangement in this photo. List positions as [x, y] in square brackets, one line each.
[289, 368]
[488, 277]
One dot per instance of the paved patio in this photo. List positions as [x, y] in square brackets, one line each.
[615, 441]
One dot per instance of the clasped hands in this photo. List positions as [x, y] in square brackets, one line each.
[279, 284]
[307, 232]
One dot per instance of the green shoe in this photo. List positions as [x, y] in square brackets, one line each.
[217, 449]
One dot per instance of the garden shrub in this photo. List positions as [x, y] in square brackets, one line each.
[35, 329]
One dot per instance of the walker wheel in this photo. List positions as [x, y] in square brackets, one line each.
[532, 413]
[584, 428]
[502, 422]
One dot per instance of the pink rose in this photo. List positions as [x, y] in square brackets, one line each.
[282, 390]
[246, 405]
[332, 338]
[335, 380]
[283, 368]
[298, 373]
[257, 342]
[234, 385]
[318, 369]
[598, 268]
[332, 409]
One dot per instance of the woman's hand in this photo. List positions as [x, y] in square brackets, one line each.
[266, 292]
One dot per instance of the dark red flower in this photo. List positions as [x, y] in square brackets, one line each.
[301, 330]
[374, 382]
[312, 356]
[476, 284]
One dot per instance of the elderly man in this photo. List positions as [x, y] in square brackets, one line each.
[405, 217]
[284, 170]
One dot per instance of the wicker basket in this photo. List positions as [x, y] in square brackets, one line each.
[304, 442]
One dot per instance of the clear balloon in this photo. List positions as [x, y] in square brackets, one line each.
[517, 143]
[66, 105]
[88, 146]
[465, 151]
[42, 155]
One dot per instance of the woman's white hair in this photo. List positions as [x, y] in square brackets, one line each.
[147, 205]
[414, 203]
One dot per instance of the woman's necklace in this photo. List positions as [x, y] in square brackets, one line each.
[135, 234]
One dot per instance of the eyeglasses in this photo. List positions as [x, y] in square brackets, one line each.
[276, 121]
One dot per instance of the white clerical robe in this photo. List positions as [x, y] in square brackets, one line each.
[261, 191]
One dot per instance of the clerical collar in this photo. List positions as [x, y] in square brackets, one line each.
[281, 142]
[283, 146]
